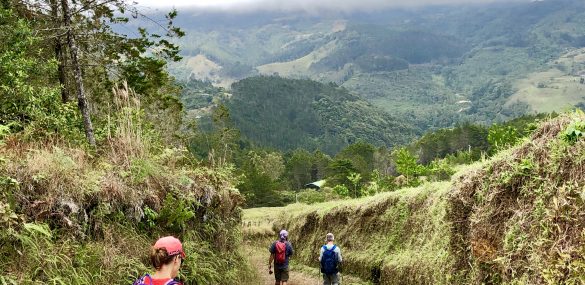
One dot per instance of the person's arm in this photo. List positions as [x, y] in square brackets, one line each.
[292, 251]
[271, 258]
[320, 253]
[339, 260]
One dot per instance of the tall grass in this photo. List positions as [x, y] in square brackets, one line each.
[73, 216]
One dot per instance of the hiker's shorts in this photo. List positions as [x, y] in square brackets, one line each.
[331, 279]
[281, 274]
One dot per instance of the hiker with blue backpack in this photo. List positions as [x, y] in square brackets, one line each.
[166, 257]
[280, 251]
[330, 258]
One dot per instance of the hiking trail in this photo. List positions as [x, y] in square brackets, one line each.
[299, 274]
[259, 259]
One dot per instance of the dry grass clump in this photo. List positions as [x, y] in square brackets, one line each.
[520, 219]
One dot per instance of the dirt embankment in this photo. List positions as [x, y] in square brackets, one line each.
[521, 218]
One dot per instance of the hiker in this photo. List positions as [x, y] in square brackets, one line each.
[330, 259]
[166, 257]
[280, 251]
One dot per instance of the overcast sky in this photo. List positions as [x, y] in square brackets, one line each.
[300, 5]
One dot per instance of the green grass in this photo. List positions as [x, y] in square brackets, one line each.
[298, 68]
[556, 89]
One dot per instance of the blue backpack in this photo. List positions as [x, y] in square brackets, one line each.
[142, 281]
[329, 260]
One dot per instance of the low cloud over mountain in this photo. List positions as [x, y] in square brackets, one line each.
[306, 5]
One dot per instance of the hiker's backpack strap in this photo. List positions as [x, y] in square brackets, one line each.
[335, 254]
[332, 249]
[172, 282]
[142, 280]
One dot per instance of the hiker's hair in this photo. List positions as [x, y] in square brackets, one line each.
[160, 257]
[330, 237]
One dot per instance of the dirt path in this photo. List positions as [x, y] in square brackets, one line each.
[259, 260]
[299, 275]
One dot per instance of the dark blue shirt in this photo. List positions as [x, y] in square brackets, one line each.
[289, 252]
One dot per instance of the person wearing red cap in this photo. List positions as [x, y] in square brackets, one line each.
[166, 257]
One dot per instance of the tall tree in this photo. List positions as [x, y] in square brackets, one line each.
[61, 59]
[93, 56]
[81, 99]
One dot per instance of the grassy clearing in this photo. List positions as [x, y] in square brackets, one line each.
[298, 67]
[549, 91]
[556, 89]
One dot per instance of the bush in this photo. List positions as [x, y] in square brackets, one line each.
[310, 196]
[573, 132]
[341, 190]
[440, 170]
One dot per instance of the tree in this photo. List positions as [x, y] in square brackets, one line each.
[261, 184]
[270, 164]
[502, 137]
[299, 168]
[407, 165]
[361, 155]
[81, 98]
[96, 57]
[29, 101]
[355, 179]
[339, 170]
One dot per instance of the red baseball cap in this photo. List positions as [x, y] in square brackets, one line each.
[171, 244]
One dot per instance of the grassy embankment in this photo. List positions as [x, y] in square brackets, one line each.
[71, 216]
[517, 218]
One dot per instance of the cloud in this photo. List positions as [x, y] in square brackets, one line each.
[306, 5]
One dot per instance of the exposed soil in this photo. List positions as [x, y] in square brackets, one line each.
[259, 260]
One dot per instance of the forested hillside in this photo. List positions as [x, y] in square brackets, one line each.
[432, 67]
[288, 114]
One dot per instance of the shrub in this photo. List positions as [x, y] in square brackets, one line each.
[573, 132]
[310, 196]
[341, 190]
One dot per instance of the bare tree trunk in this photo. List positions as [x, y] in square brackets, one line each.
[81, 100]
[61, 70]
[59, 55]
